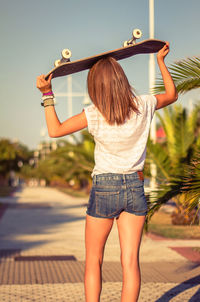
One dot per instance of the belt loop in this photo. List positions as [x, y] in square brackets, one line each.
[94, 180]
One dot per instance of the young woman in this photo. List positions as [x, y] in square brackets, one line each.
[120, 123]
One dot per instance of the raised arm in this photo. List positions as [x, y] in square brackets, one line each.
[170, 95]
[55, 127]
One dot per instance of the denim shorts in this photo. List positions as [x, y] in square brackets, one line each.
[113, 193]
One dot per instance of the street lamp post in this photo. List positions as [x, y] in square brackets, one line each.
[152, 64]
[151, 85]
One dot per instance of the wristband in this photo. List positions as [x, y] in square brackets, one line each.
[48, 93]
[46, 97]
[48, 105]
[48, 102]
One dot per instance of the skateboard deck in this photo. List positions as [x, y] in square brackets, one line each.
[144, 47]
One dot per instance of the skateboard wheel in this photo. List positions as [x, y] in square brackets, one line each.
[66, 53]
[57, 63]
[125, 44]
[137, 33]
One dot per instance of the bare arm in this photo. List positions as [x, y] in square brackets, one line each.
[55, 127]
[170, 95]
[71, 125]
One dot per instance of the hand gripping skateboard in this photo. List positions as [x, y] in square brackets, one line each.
[130, 48]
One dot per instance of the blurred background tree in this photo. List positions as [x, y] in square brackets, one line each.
[70, 165]
[13, 156]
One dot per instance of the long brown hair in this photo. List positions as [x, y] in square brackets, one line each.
[110, 91]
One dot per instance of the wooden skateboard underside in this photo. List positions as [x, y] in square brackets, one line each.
[144, 47]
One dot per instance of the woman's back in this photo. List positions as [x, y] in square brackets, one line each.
[121, 148]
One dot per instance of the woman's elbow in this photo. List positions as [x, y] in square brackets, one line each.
[52, 134]
[175, 97]
[56, 134]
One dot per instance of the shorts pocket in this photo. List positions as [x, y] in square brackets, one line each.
[107, 203]
[139, 200]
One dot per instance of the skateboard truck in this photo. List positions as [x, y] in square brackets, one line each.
[137, 34]
[66, 55]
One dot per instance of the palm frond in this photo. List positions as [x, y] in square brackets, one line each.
[186, 76]
[167, 124]
[188, 184]
[179, 136]
[193, 118]
[160, 157]
[164, 193]
[185, 137]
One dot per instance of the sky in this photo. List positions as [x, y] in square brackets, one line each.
[33, 34]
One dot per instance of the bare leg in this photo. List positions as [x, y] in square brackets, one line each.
[130, 229]
[96, 234]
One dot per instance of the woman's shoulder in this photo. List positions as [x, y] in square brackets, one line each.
[90, 108]
[146, 97]
[146, 100]
[92, 113]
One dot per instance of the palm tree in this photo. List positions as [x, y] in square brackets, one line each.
[181, 153]
[173, 156]
[70, 163]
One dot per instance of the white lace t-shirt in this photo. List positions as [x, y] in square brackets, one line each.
[121, 149]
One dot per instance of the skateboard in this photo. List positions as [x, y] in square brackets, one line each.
[130, 48]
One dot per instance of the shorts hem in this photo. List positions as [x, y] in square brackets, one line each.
[117, 215]
[137, 213]
[96, 216]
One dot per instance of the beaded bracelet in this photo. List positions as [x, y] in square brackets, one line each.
[48, 93]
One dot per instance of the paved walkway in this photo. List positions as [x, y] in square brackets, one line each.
[42, 255]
